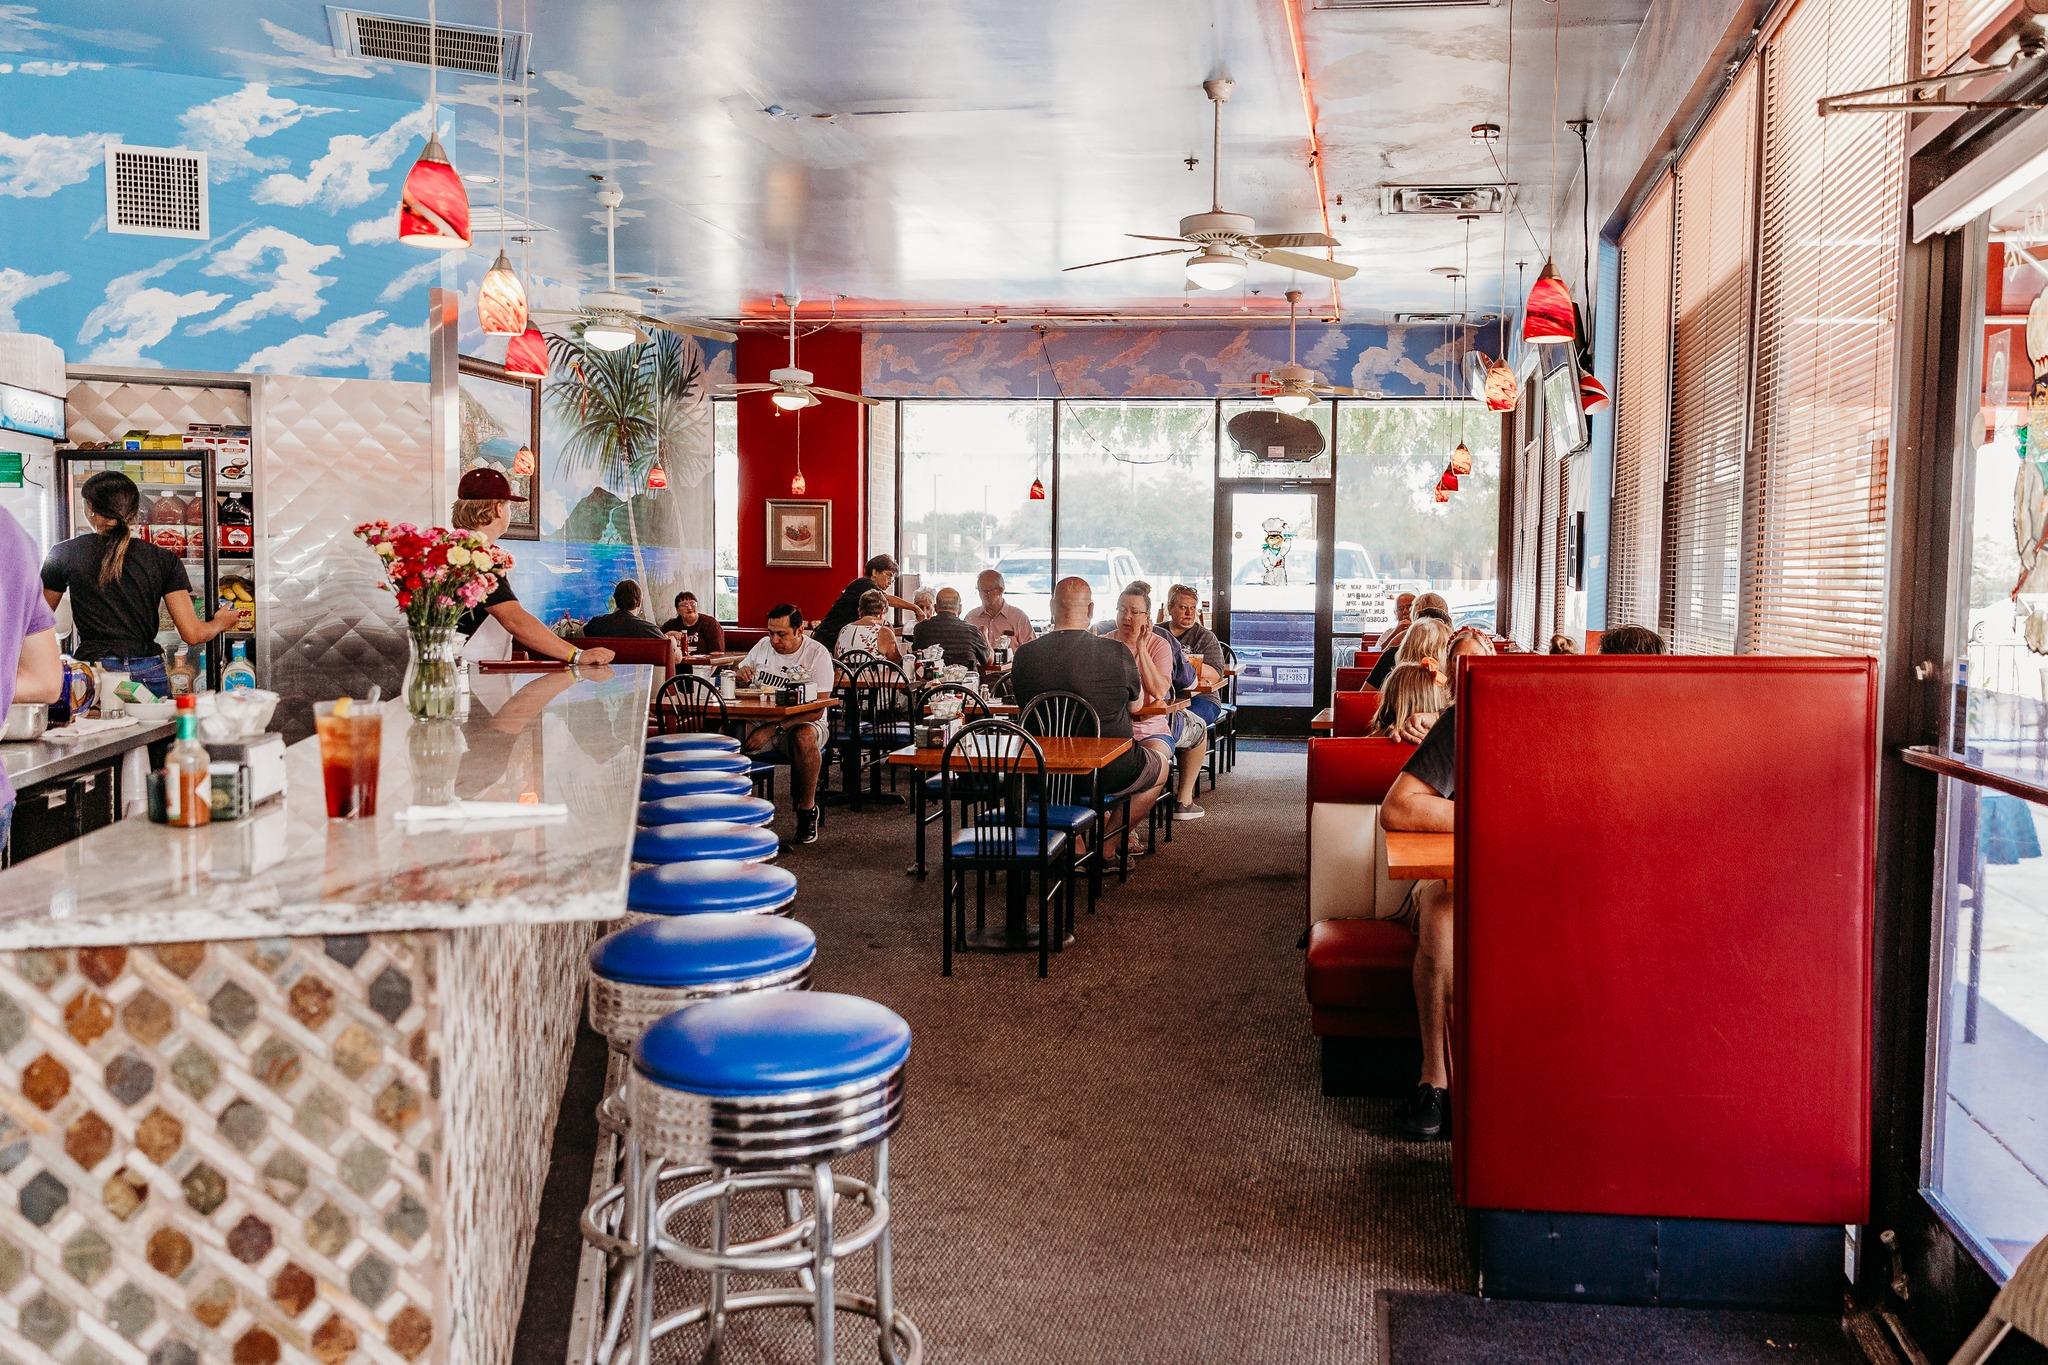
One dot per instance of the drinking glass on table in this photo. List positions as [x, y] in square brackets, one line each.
[351, 736]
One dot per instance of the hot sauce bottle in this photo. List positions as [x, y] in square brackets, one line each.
[188, 786]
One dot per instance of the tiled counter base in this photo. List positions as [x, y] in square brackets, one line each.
[258, 1150]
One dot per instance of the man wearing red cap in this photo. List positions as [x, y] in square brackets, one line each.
[483, 504]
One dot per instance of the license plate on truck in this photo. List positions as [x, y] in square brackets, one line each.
[1291, 677]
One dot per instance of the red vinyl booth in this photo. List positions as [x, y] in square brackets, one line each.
[1358, 976]
[634, 650]
[1351, 715]
[1351, 678]
[740, 639]
[1663, 953]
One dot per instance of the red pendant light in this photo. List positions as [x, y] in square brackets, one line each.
[1448, 483]
[501, 300]
[1593, 395]
[1547, 317]
[797, 485]
[1461, 459]
[1038, 490]
[433, 212]
[657, 478]
[527, 353]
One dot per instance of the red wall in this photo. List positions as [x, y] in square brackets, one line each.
[835, 470]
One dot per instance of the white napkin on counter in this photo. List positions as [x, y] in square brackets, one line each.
[79, 730]
[481, 812]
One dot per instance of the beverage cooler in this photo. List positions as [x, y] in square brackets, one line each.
[198, 501]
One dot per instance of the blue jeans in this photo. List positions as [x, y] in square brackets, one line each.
[6, 822]
[147, 669]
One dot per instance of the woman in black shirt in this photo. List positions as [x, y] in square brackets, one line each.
[116, 581]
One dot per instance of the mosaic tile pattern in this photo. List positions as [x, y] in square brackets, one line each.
[221, 1152]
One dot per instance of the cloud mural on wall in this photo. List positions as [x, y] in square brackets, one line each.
[302, 273]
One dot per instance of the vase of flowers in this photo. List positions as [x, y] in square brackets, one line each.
[436, 574]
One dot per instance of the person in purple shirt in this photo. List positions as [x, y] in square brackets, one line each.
[31, 670]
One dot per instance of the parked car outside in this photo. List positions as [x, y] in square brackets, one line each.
[1028, 578]
[1273, 626]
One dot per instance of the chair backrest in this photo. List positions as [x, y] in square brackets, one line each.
[1356, 771]
[1347, 780]
[636, 650]
[1004, 762]
[1367, 658]
[972, 704]
[1667, 897]
[687, 704]
[1352, 679]
[1351, 713]
[882, 695]
[1227, 690]
[740, 639]
[1061, 713]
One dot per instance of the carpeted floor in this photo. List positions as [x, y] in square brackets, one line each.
[1459, 1329]
[1130, 1161]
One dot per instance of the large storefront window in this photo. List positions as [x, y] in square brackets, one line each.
[968, 470]
[725, 508]
[1987, 1157]
[1137, 497]
[1392, 535]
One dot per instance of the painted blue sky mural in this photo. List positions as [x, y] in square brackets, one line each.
[301, 273]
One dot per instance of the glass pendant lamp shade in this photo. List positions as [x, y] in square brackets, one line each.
[1442, 495]
[1547, 319]
[1291, 403]
[1593, 395]
[609, 334]
[797, 485]
[1215, 268]
[527, 353]
[1461, 459]
[1501, 386]
[433, 211]
[1448, 483]
[1038, 490]
[657, 478]
[501, 302]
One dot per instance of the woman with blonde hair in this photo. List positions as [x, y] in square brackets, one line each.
[1413, 689]
[1427, 635]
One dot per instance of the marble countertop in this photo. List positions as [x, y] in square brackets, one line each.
[27, 762]
[288, 870]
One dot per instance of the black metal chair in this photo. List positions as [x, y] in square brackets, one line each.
[879, 700]
[933, 789]
[687, 704]
[1005, 762]
[1223, 736]
[1068, 713]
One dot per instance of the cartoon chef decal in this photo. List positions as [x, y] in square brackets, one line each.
[1273, 552]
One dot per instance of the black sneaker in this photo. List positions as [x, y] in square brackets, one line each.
[807, 826]
[1425, 1115]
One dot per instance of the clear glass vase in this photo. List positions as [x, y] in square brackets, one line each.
[432, 673]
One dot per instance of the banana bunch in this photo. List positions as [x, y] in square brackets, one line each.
[236, 593]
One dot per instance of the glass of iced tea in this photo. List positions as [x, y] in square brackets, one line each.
[351, 735]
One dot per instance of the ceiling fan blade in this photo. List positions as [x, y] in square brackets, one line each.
[1143, 255]
[746, 388]
[689, 329]
[1327, 389]
[849, 397]
[1287, 239]
[1148, 237]
[555, 313]
[1332, 270]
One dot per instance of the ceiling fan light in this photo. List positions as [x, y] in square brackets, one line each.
[1547, 317]
[433, 209]
[609, 334]
[1461, 459]
[790, 400]
[1292, 403]
[527, 353]
[1215, 268]
[501, 300]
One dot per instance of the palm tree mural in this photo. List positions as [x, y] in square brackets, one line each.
[623, 412]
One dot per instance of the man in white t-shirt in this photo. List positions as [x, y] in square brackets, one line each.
[785, 657]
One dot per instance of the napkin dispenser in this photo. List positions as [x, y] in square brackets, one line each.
[261, 760]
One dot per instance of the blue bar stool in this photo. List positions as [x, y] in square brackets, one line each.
[689, 843]
[768, 1090]
[693, 741]
[686, 810]
[643, 974]
[711, 886]
[697, 761]
[657, 785]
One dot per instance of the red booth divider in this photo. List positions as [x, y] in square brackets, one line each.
[1663, 960]
[1351, 713]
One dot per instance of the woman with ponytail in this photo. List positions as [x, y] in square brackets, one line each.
[118, 583]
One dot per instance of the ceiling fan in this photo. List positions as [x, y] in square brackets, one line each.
[1224, 242]
[611, 320]
[1292, 386]
[790, 388]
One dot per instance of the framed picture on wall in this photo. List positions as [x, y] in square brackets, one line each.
[799, 533]
[500, 427]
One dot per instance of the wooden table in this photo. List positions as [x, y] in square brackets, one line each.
[708, 660]
[1415, 856]
[1324, 721]
[1066, 754]
[769, 711]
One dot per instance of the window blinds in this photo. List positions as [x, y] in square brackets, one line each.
[1946, 30]
[1830, 245]
[1642, 413]
[1552, 610]
[1714, 220]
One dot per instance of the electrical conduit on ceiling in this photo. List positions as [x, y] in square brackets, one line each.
[1297, 37]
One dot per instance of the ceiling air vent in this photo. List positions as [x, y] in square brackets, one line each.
[457, 47]
[156, 191]
[1442, 199]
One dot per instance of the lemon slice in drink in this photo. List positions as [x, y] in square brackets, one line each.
[342, 705]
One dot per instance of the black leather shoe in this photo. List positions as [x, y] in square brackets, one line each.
[807, 826]
[1425, 1115]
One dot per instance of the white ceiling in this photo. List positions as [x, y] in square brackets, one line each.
[977, 147]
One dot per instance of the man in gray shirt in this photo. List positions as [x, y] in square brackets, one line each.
[1070, 658]
[965, 645]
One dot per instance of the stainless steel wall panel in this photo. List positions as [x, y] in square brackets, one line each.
[104, 409]
[336, 453]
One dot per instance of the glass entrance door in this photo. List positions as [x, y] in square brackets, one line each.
[1273, 594]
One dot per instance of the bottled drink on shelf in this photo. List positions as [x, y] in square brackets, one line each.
[181, 674]
[240, 673]
[188, 782]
